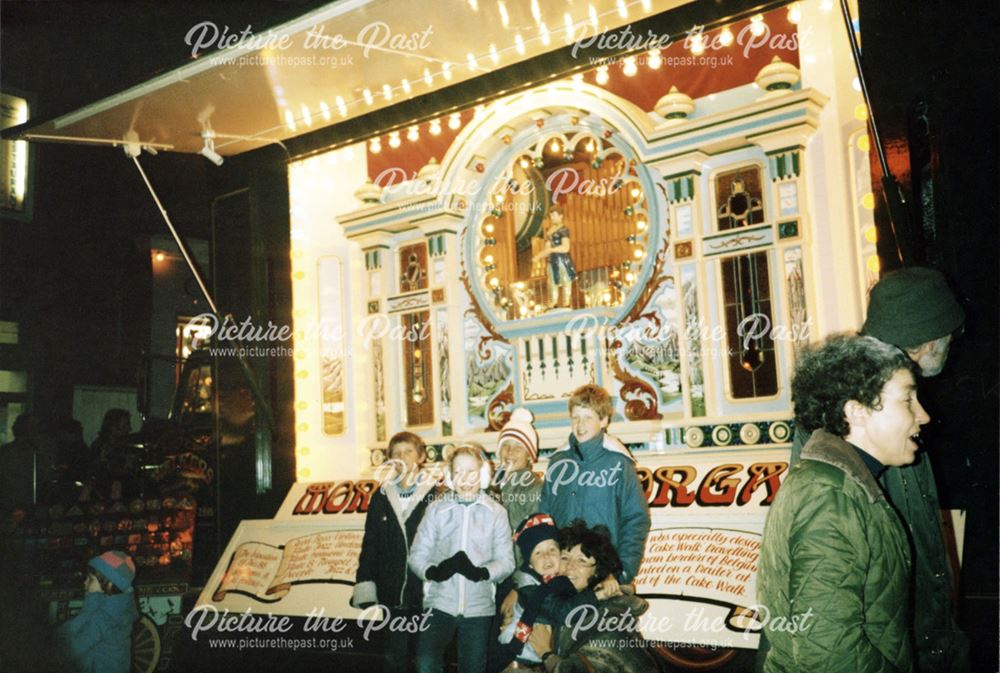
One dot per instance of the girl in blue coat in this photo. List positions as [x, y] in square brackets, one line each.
[99, 639]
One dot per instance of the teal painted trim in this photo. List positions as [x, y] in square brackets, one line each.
[795, 163]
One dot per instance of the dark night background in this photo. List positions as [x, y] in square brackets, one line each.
[77, 276]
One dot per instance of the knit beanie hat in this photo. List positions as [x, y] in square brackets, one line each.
[520, 429]
[535, 529]
[911, 306]
[117, 566]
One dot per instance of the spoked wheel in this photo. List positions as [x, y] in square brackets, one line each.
[145, 646]
[695, 658]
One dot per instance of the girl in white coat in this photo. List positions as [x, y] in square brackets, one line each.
[462, 550]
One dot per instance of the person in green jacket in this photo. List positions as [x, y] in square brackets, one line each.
[913, 308]
[835, 561]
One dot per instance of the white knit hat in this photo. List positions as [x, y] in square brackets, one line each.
[520, 429]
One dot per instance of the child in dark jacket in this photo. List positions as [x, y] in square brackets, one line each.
[99, 639]
[543, 596]
[394, 513]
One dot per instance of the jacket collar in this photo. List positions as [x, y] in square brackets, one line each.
[826, 448]
[609, 443]
[391, 489]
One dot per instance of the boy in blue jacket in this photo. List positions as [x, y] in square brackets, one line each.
[593, 478]
[99, 639]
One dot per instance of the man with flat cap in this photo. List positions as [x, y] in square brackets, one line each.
[914, 309]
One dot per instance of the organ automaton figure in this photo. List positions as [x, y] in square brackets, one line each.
[560, 269]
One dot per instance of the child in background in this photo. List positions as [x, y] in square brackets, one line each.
[394, 512]
[462, 550]
[543, 596]
[593, 478]
[99, 639]
[520, 487]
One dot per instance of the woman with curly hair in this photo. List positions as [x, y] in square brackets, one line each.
[601, 639]
[835, 562]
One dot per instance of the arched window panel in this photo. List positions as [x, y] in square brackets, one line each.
[750, 354]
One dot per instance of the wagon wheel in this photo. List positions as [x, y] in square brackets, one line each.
[695, 658]
[145, 646]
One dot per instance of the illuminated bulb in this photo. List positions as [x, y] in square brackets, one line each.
[629, 67]
[302, 373]
[868, 201]
[640, 225]
[523, 311]
[794, 13]
[622, 9]
[413, 134]
[654, 59]
[494, 282]
[646, 5]
[478, 110]
[519, 44]
[535, 11]
[387, 91]
[593, 16]
[555, 145]
[454, 120]
[635, 192]
[428, 80]
[861, 112]
[406, 85]
[589, 146]
[394, 141]
[545, 34]
[367, 96]
[873, 264]
[474, 4]
[325, 110]
[757, 26]
[504, 16]
[629, 277]
[726, 37]
[488, 259]
[160, 257]
[524, 162]
[471, 60]
[826, 5]
[494, 56]
[697, 44]
[488, 228]
[856, 84]
[607, 297]
[568, 21]
[289, 120]
[637, 253]
[341, 106]
[602, 75]
[863, 143]
[435, 127]
[306, 117]
[870, 234]
[499, 198]
[446, 70]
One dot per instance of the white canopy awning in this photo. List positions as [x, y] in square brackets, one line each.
[339, 62]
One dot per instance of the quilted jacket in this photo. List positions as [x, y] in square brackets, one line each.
[479, 528]
[834, 569]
